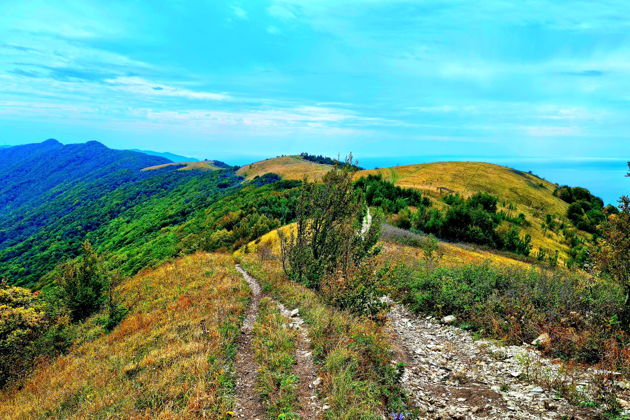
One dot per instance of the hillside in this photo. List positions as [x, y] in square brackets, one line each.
[221, 335]
[87, 191]
[31, 172]
[204, 165]
[518, 192]
[171, 357]
[288, 167]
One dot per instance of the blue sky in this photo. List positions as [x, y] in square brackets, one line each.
[392, 78]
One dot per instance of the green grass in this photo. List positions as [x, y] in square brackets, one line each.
[274, 348]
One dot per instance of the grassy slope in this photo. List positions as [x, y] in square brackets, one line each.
[532, 196]
[288, 167]
[170, 357]
[451, 254]
[204, 165]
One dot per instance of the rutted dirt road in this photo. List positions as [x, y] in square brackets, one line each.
[248, 405]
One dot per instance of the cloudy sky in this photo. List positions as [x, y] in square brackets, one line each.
[378, 77]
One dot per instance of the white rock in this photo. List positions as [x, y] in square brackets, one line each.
[537, 390]
[449, 319]
[295, 313]
[542, 340]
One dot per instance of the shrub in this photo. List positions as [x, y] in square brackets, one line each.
[22, 321]
[330, 235]
[83, 284]
[515, 304]
[358, 291]
[613, 255]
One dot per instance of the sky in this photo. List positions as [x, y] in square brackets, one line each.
[215, 79]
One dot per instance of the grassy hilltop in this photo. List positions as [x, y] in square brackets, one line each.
[518, 192]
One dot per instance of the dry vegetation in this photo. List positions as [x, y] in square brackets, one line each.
[203, 165]
[171, 357]
[531, 195]
[268, 246]
[288, 167]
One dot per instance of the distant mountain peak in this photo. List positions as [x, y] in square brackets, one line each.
[52, 141]
[94, 143]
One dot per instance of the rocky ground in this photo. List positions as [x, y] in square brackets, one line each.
[450, 376]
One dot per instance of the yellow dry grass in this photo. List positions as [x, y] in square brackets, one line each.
[531, 195]
[270, 241]
[169, 358]
[452, 254]
[288, 167]
[204, 165]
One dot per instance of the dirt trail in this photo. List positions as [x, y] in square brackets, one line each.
[248, 405]
[450, 376]
[310, 407]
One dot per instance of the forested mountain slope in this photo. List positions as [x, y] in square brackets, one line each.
[55, 196]
[32, 174]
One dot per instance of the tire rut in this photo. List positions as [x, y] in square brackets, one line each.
[249, 405]
[305, 369]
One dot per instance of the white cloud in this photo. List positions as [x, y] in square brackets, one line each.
[240, 12]
[552, 131]
[281, 11]
[142, 86]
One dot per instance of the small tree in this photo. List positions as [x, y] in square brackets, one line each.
[84, 284]
[334, 232]
[613, 253]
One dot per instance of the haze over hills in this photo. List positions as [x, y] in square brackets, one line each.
[167, 155]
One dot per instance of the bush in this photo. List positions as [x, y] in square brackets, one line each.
[358, 291]
[330, 235]
[83, 284]
[515, 304]
[22, 321]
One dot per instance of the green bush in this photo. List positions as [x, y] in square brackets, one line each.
[83, 284]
